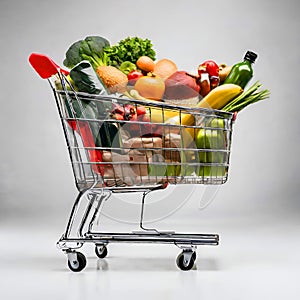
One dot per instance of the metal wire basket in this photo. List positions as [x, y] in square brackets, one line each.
[164, 144]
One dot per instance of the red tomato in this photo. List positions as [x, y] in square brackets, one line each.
[133, 76]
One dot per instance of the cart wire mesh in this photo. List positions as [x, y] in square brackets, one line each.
[119, 143]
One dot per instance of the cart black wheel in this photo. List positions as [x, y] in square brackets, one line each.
[185, 263]
[101, 251]
[78, 264]
[194, 256]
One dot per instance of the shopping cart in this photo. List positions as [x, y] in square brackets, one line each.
[122, 145]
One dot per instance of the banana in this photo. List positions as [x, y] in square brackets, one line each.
[158, 115]
[220, 96]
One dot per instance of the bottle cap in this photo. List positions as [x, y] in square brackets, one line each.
[251, 56]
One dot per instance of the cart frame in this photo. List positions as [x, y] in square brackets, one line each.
[97, 195]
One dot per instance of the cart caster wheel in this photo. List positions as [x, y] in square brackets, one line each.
[186, 260]
[76, 261]
[194, 256]
[101, 251]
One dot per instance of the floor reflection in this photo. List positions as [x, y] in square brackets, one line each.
[152, 264]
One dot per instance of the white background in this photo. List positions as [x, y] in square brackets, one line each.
[256, 212]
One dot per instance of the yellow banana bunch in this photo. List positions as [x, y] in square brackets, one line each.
[220, 96]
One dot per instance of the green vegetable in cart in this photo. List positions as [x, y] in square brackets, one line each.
[126, 67]
[85, 110]
[86, 80]
[247, 97]
[211, 141]
[110, 136]
[129, 49]
[91, 49]
[189, 161]
[160, 167]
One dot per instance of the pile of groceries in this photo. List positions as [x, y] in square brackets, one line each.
[129, 70]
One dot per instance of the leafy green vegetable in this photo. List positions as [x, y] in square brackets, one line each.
[86, 80]
[129, 49]
[249, 96]
[91, 49]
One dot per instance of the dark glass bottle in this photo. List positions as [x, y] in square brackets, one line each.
[242, 72]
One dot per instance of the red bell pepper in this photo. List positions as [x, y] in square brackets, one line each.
[210, 67]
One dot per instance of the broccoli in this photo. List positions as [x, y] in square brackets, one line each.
[72, 55]
[91, 49]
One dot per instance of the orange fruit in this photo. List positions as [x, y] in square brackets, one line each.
[145, 63]
[165, 68]
[151, 87]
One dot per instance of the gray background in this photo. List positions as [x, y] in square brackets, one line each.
[257, 211]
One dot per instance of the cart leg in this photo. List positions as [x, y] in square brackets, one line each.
[91, 199]
[95, 198]
[73, 214]
[142, 214]
[104, 196]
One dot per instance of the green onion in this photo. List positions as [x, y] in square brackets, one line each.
[248, 96]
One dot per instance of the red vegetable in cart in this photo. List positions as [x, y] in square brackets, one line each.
[135, 114]
[133, 76]
[204, 84]
[212, 69]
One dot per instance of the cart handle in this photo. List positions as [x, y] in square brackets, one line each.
[45, 66]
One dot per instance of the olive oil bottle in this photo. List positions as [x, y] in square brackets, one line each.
[242, 72]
